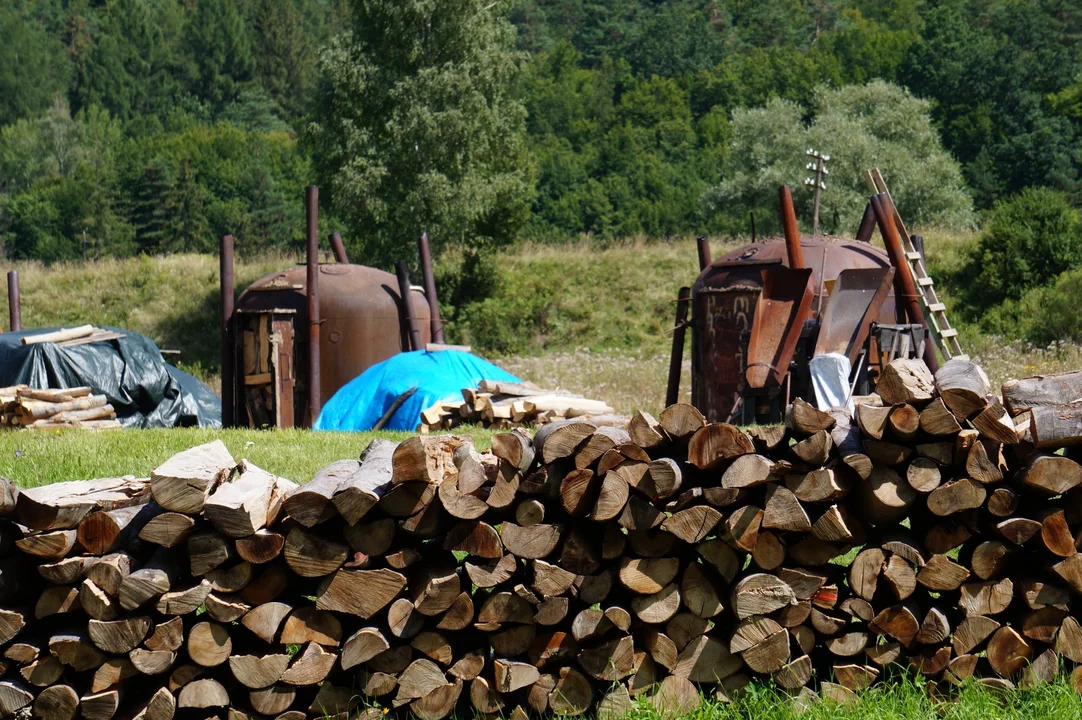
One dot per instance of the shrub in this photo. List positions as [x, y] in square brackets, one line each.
[1043, 315]
[1030, 239]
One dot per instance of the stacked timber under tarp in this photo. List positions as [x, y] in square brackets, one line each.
[563, 574]
[51, 409]
[505, 405]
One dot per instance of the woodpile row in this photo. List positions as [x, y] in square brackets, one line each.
[504, 405]
[24, 407]
[567, 573]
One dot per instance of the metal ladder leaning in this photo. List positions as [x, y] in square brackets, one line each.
[946, 337]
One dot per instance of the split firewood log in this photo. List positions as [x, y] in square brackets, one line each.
[963, 386]
[532, 543]
[717, 443]
[257, 672]
[310, 667]
[676, 697]
[994, 423]
[990, 597]
[814, 450]
[1050, 474]
[311, 503]
[937, 419]
[847, 438]
[49, 546]
[105, 531]
[805, 419]
[906, 380]
[768, 438]
[205, 693]
[76, 651]
[62, 506]
[600, 442]
[515, 448]
[167, 529]
[872, 419]
[1008, 652]
[706, 659]
[561, 439]
[207, 550]
[645, 431]
[760, 594]
[183, 482]
[148, 582]
[59, 702]
[239, 508]
[360, 592]
[681, 421]
[424, 459]
[310, 555]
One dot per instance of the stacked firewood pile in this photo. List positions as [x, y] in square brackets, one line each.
[504, 405]
[567, 573]
[48, 409]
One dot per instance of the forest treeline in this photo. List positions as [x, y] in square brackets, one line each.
[155, 126]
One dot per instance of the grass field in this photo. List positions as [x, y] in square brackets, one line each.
[39, 458]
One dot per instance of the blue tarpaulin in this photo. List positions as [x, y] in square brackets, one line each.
[441, 375]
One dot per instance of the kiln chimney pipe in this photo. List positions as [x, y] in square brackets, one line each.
[15, 307]
[407, 304]
[339, 249]
[430, 288]
[704, 252]
[792, 232]
[867, 224]
[311, 208]
[676, 359]
[227, 299]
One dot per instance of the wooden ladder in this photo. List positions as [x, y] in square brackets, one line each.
[946, 337]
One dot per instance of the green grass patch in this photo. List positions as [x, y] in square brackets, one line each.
[32, 458]
[902, 698]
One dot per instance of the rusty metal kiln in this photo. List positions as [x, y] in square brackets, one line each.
[759, 315]
[338, 318]
[724, 299]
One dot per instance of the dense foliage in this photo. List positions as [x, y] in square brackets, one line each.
[132, 126]
[416, 126]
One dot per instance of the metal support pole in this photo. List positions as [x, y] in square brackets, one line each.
[676, 359]
[228, 294]
[407, 304]
[792, 232]
[704, 252]
[312, 288]
[15, 304]
[339, 249]
[430, 288]
[904, 288]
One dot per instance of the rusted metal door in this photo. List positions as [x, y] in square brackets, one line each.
[268, 377]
